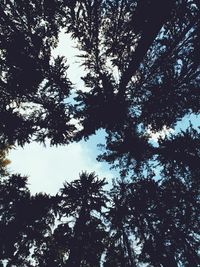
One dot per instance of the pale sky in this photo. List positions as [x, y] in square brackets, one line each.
[47, 168]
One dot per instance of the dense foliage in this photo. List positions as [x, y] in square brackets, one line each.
[142, 75]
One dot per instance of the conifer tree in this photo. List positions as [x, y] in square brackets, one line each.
[142, 74]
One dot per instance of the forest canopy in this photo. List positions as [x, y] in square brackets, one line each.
[142, 75]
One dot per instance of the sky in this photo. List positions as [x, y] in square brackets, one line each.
[48, 167]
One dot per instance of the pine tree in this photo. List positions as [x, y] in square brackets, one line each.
[142, 66]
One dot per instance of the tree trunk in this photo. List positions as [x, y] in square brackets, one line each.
[77, 244]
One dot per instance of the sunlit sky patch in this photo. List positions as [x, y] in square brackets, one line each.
[48, 167]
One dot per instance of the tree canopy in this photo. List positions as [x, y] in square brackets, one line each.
[142, 76]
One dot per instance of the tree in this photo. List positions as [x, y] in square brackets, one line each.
[142, 67]
[162, 217]
[33, 86]
[82, 198]
[41, 230]
[25, 220]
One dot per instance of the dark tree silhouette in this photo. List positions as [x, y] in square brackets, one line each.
[142, 75]
[161, 217]
[33, 86]
[82, 198]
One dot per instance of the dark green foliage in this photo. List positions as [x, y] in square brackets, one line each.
[84, 199]
[128, 150]
[33, 85]
[25, 220]
[41, 230]
[142, 75]
[161, 217]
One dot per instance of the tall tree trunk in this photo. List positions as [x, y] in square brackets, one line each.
[147, 37]
[77, 244]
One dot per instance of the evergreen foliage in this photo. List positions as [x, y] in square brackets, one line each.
[142, 75]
